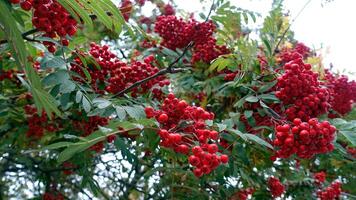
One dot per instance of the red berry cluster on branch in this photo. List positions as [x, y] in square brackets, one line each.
[141, 2]
[184, 130]
[342, 92]
[50, 17]
[177, 33]
[305, 139]
[9, 74]
[319, 177]
[243, 194]
[114, 75]
[299, 89]
[332, 192]
[208, 51]
[52, 196]
[126, 9]
[287, 55]
[106, 60]
[275, 187]
[38, 125]
[168, 10]
[125, 75]
[351, 151]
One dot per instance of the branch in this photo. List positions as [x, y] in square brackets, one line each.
[285, 32]
[167, 70]
[24, 36]
[170, 69]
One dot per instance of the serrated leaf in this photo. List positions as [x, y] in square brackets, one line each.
[57, 145]
[86, 104]
[258, 140]
[267, 86]
[248, 113]
[78, 96]
[120, 112]
[134, 112]
[251, 99]
[349, 135]
[101, 103]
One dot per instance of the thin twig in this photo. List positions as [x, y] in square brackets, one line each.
[24, 36]
[290, 24]
[170, 69]
[210, 11]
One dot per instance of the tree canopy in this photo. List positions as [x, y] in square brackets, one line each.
[99, 101]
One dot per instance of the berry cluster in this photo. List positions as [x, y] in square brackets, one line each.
[299, 89]
[305, 139]
[88, 126]
[243, 194]
[275, 187]
[183, 129]
[52, 196]
[38, 125]
[126, 9]
[332, 192]
[168, 10]
[177, 33]
[287, 54]
[141, 2]
[208, 51]
[50, 17]
[319, 177]
[230, 75]
[103, 57]
[125, 75]
[9, 74]
[342, 92]
[351, 151]
[114, 75]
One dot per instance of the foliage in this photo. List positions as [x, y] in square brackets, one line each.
[169, 106]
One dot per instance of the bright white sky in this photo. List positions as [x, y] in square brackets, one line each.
[328, 25]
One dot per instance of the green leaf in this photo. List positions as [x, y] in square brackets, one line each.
[125, 152]
[258, 140]
[248, 113]
[86, 104]
[101, 103]
[350, 135]
[238, 133]
[252, 99]
[78, 96]
[267, 45]
[267, 97]
[57, 145]
[120, 112]
[169, 52]
[75, 9]
[67, 86]
[267, 86]
[135, 112]
[43, 100]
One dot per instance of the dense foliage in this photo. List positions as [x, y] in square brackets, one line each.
[99, 101]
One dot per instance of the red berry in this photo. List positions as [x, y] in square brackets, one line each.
[224, 158]
[26, 5]
[162, 118]
[213, 148]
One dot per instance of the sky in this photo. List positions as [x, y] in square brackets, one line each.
[320, 24]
